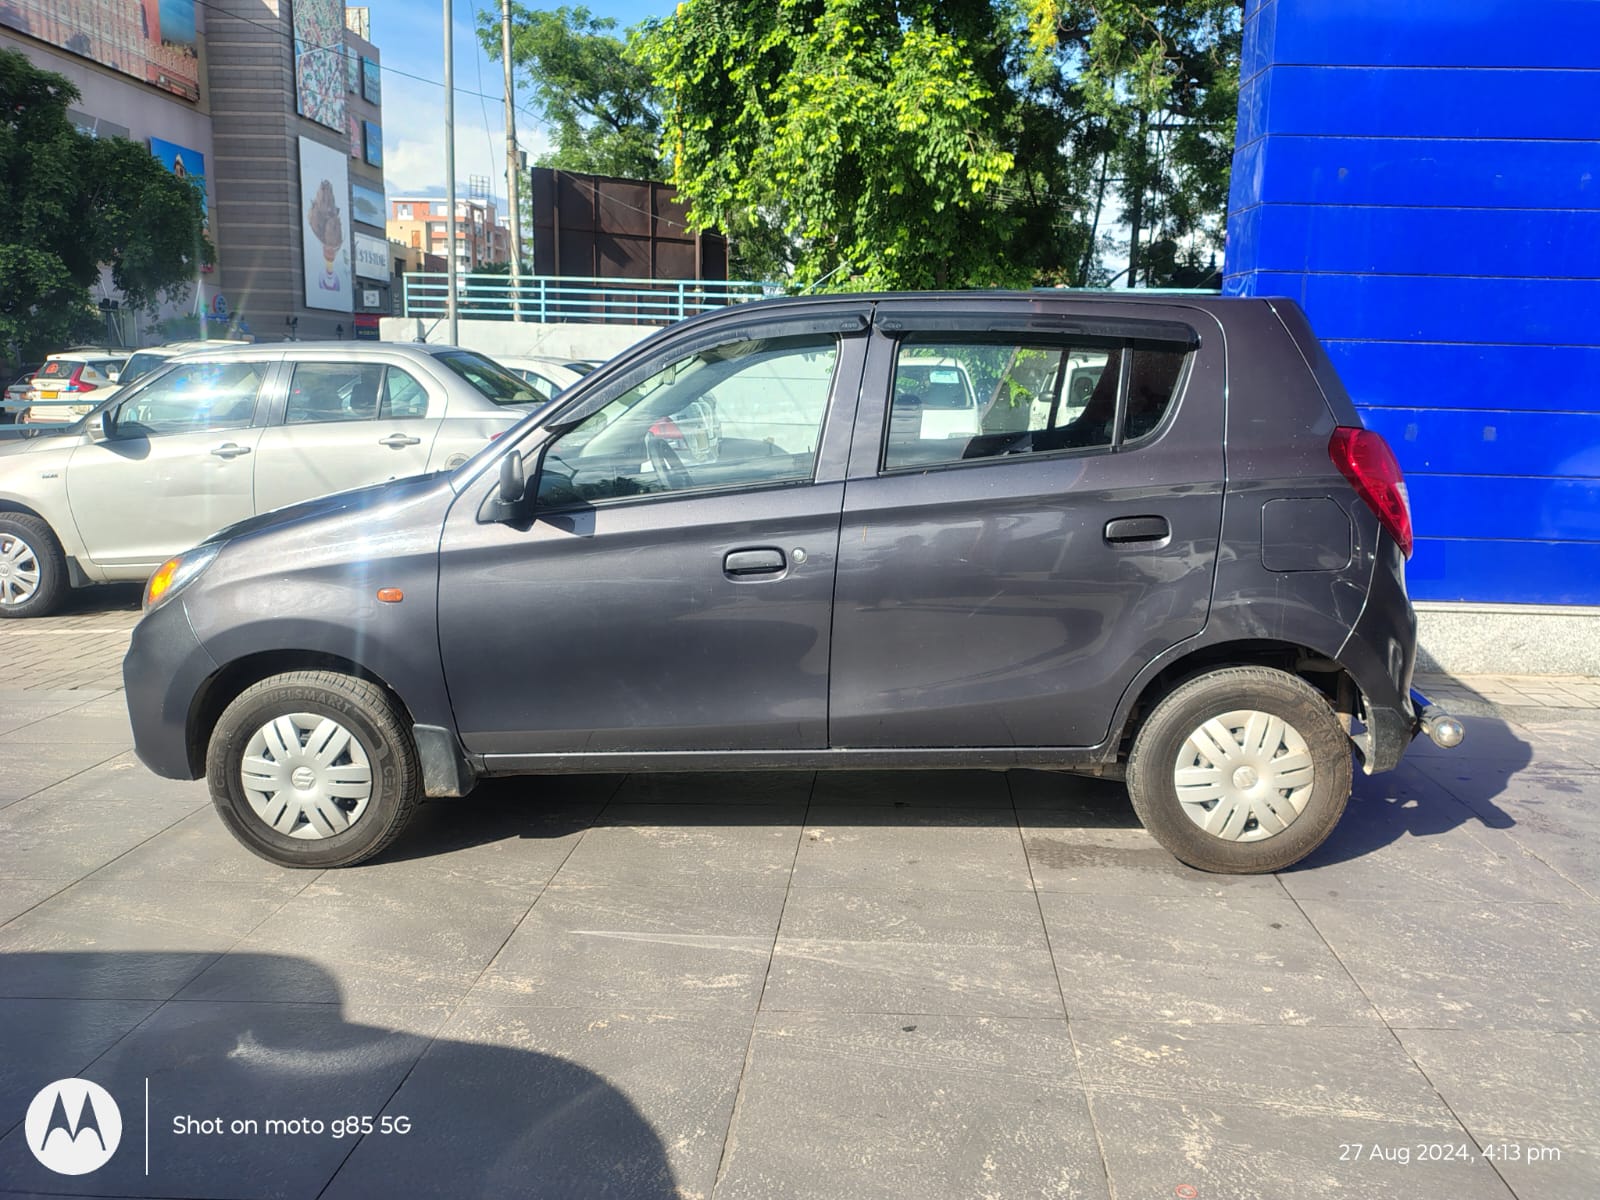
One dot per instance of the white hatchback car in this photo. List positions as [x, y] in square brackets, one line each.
[548, 376]
[57, 386]
[213, 438]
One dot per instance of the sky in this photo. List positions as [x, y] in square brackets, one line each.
[409, 35]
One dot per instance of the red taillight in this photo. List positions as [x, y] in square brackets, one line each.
[666, 428]
[1364, 458]
[77, 385]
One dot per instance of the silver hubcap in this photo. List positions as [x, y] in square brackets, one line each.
[19, 570]
[1244, 776]
[306, 776]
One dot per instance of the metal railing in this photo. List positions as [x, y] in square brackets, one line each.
[11, 415]
[559, 298]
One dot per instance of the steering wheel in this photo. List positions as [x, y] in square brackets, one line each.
[664, 461]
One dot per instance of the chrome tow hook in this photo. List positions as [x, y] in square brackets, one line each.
[1445, 731]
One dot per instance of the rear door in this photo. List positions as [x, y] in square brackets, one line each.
[345, 424]
[1001, 589]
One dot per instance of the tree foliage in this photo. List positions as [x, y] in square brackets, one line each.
[601, 106]
[74, 204]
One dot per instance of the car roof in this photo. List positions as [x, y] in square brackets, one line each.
[355, 351]
[85, 353]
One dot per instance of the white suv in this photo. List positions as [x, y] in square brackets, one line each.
[87, 372]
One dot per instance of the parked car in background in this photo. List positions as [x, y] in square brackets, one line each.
[71, 383]
[213, 437]
[18, 389]
[549, 377]
[144, 361]
[1193, 578]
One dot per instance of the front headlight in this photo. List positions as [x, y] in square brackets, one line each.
[176, 573]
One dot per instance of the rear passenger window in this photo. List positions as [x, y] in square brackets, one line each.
[352, 392]
[963, 401]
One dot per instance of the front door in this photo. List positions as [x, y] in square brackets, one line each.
[1001, 587]
[180, 466]
[673, 590]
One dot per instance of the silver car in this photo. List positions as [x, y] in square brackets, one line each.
[217, 436]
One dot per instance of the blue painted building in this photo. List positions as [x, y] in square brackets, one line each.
[1423, 176]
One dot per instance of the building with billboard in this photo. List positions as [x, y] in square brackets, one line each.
[422, 223]
[250, 100]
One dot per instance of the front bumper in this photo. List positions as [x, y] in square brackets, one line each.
[164, 671]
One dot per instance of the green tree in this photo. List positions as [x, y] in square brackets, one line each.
[1160, 78]
[880, 137]
[602, 107]
[74, 204]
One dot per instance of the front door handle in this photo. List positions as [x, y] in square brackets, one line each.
[396, 440]
[753, 562]
[230, 450]
[1137, 529]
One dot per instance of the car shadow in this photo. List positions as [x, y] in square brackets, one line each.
[99, 598]
[477, 1118]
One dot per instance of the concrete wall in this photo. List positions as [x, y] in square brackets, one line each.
[1421, 177]
[567, 341]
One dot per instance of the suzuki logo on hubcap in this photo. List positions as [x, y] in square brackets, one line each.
[303, 778]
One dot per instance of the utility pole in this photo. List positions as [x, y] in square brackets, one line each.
[450, 170]
[513, 166]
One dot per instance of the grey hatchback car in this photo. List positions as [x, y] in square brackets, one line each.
[1166, 552]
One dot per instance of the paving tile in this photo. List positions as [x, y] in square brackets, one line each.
[77, 725]
[716, 787]
[1270, 1112]
[913, 789]
[838, 1106]
[134, 930]
[584, 1103]
[199, 848]
[374, 936]
[668, 946]
[1470, 966]
[972, 953]
[51, 837]
[682, 843]
[19, 893]
[1101, 802]
[1106, 860]
[1536, 1095]
[246, 1061]
[1405, 837]
[1244, 958]
[19, 708]
[940, 849]
[29, 768]
[44, 1040]
[124, 777]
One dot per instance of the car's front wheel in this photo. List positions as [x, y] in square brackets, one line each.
[1242, 770]
[33, 568]
[314, 769]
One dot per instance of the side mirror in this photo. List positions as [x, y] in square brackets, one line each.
[513, 480]
[104, 425]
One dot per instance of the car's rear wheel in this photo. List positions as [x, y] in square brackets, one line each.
[33, 568]
[1242, 770]
[314, 769]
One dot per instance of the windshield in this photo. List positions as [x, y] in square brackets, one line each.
[490, 378]
[141, 364]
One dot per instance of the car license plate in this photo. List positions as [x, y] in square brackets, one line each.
[48, 395]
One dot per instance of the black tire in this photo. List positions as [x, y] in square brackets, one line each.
[1152, 767]
[46, 551]
[377, 724]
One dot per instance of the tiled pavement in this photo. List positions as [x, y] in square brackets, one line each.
[922, 984]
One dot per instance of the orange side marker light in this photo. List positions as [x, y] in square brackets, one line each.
[391, 595]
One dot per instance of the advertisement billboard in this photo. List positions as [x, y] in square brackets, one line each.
[152, 40]
[366, 205]
[190, 164]
[372, 258]
[320, 73]
[325, 226]
[372, 135]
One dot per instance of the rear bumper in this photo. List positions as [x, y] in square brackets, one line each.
[165, 669]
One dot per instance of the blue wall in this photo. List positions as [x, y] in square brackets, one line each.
[1423, 176]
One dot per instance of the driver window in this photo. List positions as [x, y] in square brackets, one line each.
[194, 398]
[743, 415]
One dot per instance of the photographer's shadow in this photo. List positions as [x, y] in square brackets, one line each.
[481, 1116]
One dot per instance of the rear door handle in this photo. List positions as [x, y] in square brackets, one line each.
[753, 562]
[1137, 529]
[230, 450]
[396, 440]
